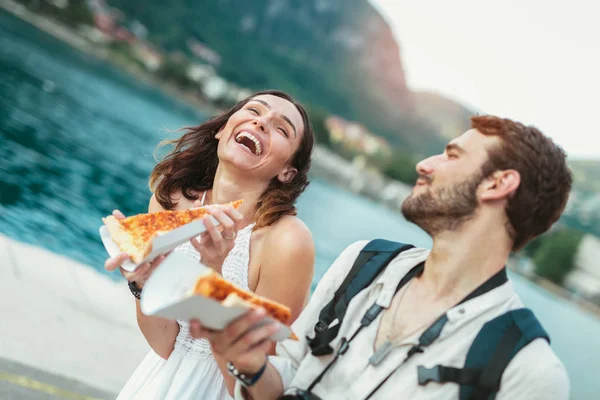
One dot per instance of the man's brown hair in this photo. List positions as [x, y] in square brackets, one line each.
[545, 177]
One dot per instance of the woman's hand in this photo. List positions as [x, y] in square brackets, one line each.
[141, 273]
[216, 242]
[245, 342]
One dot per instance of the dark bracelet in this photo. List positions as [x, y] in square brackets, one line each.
[135, 290]
[246, 380]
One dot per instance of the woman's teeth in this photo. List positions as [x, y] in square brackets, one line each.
[257, 150]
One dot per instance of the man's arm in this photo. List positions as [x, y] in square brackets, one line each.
[535, 374]
[290, 353]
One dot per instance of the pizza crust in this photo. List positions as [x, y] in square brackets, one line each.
[124, 240]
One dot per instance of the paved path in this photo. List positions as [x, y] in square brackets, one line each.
[63, 325]
[18, 381]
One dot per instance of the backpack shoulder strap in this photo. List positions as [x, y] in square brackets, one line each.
[496, 344]
[372, 259]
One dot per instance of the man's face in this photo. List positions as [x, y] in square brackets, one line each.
[446, 193]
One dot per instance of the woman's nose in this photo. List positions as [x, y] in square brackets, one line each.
[259, 125]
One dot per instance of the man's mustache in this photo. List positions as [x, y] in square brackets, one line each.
[428, 179]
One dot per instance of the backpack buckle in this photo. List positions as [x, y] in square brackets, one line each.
[320, 327]
[427, 375]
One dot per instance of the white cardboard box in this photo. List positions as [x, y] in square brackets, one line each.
[166, 294]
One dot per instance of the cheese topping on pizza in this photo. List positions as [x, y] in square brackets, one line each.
[213, 286]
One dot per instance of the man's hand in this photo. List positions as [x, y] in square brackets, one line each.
[245, 342]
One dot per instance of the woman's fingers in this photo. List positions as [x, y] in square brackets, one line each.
[199, 242]
[118, 214]
[143, 271]
[229, 220]
[235, 216]
[197, 331]
[212, 230]
[115, 262]
[137, 275]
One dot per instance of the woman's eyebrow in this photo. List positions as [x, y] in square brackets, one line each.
[283, 116]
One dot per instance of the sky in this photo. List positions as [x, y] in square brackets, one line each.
[536, 61]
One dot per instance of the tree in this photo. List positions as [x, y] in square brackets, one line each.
[555, 257]
[317, 119]
[402, 168]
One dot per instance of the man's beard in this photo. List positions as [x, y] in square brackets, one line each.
[446, 209]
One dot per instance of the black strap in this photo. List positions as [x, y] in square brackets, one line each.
[499, 279]
[434, 330]
[439, 373]
[366, 320]
[489, 381]
[377, 253]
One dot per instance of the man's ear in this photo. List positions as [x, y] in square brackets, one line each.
[501, 185]
[287, 175]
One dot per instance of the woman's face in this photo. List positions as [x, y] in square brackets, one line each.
[262, 138]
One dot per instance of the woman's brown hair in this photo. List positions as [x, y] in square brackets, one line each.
[192, 163]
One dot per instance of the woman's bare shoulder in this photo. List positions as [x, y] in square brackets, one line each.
[289, 233]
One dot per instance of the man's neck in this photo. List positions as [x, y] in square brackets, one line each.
[462, 260]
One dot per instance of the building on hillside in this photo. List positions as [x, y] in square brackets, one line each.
[204, 52]
[200, 72]
[356, 137]
[585, 278]
[147, 55]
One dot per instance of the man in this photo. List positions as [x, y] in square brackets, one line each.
[492, 190]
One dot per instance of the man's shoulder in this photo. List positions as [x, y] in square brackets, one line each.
[535, 373]
[345, 260]
[343, 264]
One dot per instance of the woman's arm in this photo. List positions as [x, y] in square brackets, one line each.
[287, 258]
[159, 332]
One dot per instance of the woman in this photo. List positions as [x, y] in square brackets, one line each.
[258, 151]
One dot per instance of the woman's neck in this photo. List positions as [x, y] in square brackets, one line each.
[230, 187]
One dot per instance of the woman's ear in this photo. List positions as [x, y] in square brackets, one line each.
[287, 175]
[219, 133]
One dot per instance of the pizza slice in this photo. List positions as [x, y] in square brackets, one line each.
[213, 286]
[134, 234]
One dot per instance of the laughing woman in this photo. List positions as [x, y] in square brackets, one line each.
[258, 151]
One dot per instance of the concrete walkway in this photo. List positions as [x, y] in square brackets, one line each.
[64, 325]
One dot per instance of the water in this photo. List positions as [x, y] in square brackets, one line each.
[76, 141]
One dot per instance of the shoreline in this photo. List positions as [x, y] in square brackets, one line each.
[326, 164]
[75, 40]
[329, 165]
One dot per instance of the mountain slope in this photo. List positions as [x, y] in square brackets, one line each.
[337, 54]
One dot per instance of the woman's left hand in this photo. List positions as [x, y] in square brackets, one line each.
[215, 244]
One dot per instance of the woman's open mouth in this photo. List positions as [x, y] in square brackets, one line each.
[249, 141]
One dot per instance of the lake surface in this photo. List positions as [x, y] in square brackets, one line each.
[76, 141]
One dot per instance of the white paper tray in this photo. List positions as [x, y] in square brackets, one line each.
[160, 245]
[165, 295]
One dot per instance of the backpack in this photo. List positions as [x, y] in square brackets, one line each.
[498, 341]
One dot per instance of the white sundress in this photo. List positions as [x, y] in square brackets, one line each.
[191, 371]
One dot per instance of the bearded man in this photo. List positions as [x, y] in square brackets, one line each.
[426, 324]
